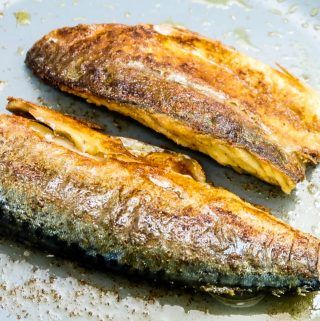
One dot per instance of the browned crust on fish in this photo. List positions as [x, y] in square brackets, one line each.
[158, 219]
[216, 96]
[80, 133]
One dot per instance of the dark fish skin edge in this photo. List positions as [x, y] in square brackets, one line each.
[102, 61]
[114, 213]
[37, 238]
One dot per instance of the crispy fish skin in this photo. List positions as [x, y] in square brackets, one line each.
[140, 216]
[96, 144]
[194, 90]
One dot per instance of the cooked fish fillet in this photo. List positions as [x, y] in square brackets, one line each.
[65, 184]
[194, 90]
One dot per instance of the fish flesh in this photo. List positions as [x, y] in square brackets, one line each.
[196, 91]
[109, 199]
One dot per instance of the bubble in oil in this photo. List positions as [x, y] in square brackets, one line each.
[240, 301]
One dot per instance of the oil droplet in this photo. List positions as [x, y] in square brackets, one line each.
[242, 35]
[293, 9]
[316, 27]
[1, 14]
[291, 214]
[276, 47]
[312, 188]
[276, 12]
[244, 4]
[305, 25]
[2, 84]
[275, 34]
[127, 14]
[79, 19]
[22, 17]
[206, 23]
[170, 21]
[305, 77]
[224, 3]
[20, 51]
[217, 2]
[315, 229]
[316, 204]
[314, 12]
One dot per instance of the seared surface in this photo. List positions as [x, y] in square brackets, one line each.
[81, 187]
[196, 91]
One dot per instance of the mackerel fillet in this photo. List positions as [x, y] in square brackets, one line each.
[196, 91]
[141, 209]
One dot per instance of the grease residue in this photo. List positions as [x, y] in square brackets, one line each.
[225, 3]
[314, 12]
[274, 34]
[293, 9]
[276, 12]
[79, 19]
[242, 37]
[316, 27]
[170, 21]
[295, 306]
[22, 17]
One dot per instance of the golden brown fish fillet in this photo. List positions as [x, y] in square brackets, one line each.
[68, 187]
[194, 90]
